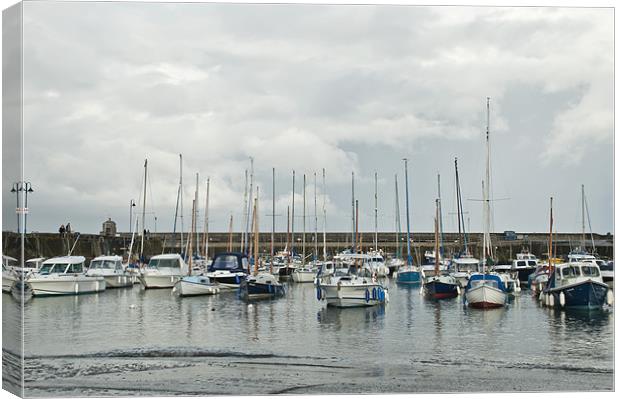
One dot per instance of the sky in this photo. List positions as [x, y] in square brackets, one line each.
[306, 87]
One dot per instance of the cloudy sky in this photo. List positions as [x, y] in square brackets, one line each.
[345, 88]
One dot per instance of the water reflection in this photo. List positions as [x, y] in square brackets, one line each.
[337, 318]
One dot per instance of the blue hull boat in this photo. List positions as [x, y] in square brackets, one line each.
[438, 289]
[263, 285]
[585, 295]
[409, 276]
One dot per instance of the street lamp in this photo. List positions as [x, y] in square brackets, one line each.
[132, 203]
[26, 187]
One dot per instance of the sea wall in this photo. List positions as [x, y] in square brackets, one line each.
[91, 245]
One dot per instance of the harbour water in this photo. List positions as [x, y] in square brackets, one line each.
[149, 342]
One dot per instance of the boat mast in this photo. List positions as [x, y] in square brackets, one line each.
[484, 233]
[303, 240]
[256, 233]
[245, 209]
[440, 217]
[179, 198]
[250, 196]
[292, 222]
[206, 238]
[376, 243]
[550, 233]
[409, 257]
[357, 224]
[397, 217]
[288, 228]
[487, 186]
[195, 216]
[273, 216]
[324, 221]
[590, 226]
[316, 224]
[583, 219]
[353, 240]
[458, 205]
[437, 237]
[230, 234]
[191, 240]
[143, 213]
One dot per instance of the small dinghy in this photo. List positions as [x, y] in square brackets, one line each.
[195, 285]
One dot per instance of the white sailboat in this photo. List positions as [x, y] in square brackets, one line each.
[305, 273]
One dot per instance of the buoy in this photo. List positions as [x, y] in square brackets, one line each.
[610, 297]
[367, 295]
[562, 299]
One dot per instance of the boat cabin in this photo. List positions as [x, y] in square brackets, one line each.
[167, 261]
[230, 261]
[63, 265]
[107, 263]
[487, 279]
[569, 273]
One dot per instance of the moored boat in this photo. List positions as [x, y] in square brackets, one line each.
[576, 285]
[112, 270]
[195, 285]
[163, 271]
[355, 288]
[485, 290]
[64, 276]
[228, 269]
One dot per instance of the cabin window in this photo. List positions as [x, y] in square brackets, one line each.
[590, 271]
[226, 262]
[571, 271]
[521, 263]
[75, 268]
[531, 263]
[119, 266]
[490, 283]
[46, 268]
[157, 263]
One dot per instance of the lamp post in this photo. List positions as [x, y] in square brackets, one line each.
[132, 203]
[26, 187]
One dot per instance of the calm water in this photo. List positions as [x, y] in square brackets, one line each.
[132, 342]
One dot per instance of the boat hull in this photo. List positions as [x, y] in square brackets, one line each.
[408, 277]
[286, 271]
[122, 281]
[438, 289]
[158, 281]
[524, 274]
[485, 297]
[303, 276]
[253, 290]
[66, 286]
[583, 295]
[345, 296]
[7, 282]
[188, 287]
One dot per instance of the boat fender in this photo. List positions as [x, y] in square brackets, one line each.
[380, 294]
[540, 296]
[367, 295]
[270, 289]
[562, 299]
[339, 285]
[610, 298]
[237, 279]
[458, 290]
[318, 293]
[374, 293]
[551, 300]
[539, 286]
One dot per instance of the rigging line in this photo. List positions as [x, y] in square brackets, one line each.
[589, 223]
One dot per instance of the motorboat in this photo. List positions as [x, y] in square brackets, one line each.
[195, 285]
[377, 264]
[357, 287]
[485, 290]
[112, 270]
[462, 267]
[163, 271]
[538, 280]
[440, 286]
[228, 269]
[509, 276]
[607, 272]
[576, 285]
[304, 274]
[525, 264]
[428, 264]
[64, 276]
[8, 274]
[394, 264]
[261, 285]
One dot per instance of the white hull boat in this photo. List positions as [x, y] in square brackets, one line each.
[163, 271]
[304, 275]
[485, 291]
[352, 295]
[64, 276]
[112, 270]
[195, 285]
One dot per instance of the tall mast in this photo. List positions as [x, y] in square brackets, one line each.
[409, 257]
[324, 220]
[292, 221]
[195, 216]
[397, 217]
[376, 243]
[437, 237]
[256, 233]
[303, 240]
[488, 185]
[273, 216]
[357, 224]
[179, 196]
[191, 240]
[353, 209]
[250, 194]
[440, 217]
[206, 238]
[484, 233]
[316, 224]
[550, 233]
[288, 228]
[245, 210]
[583, 219]
[143, 212]
[230, 234]
[458, 204]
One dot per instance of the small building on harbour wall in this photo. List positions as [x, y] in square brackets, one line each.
[109, 228]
